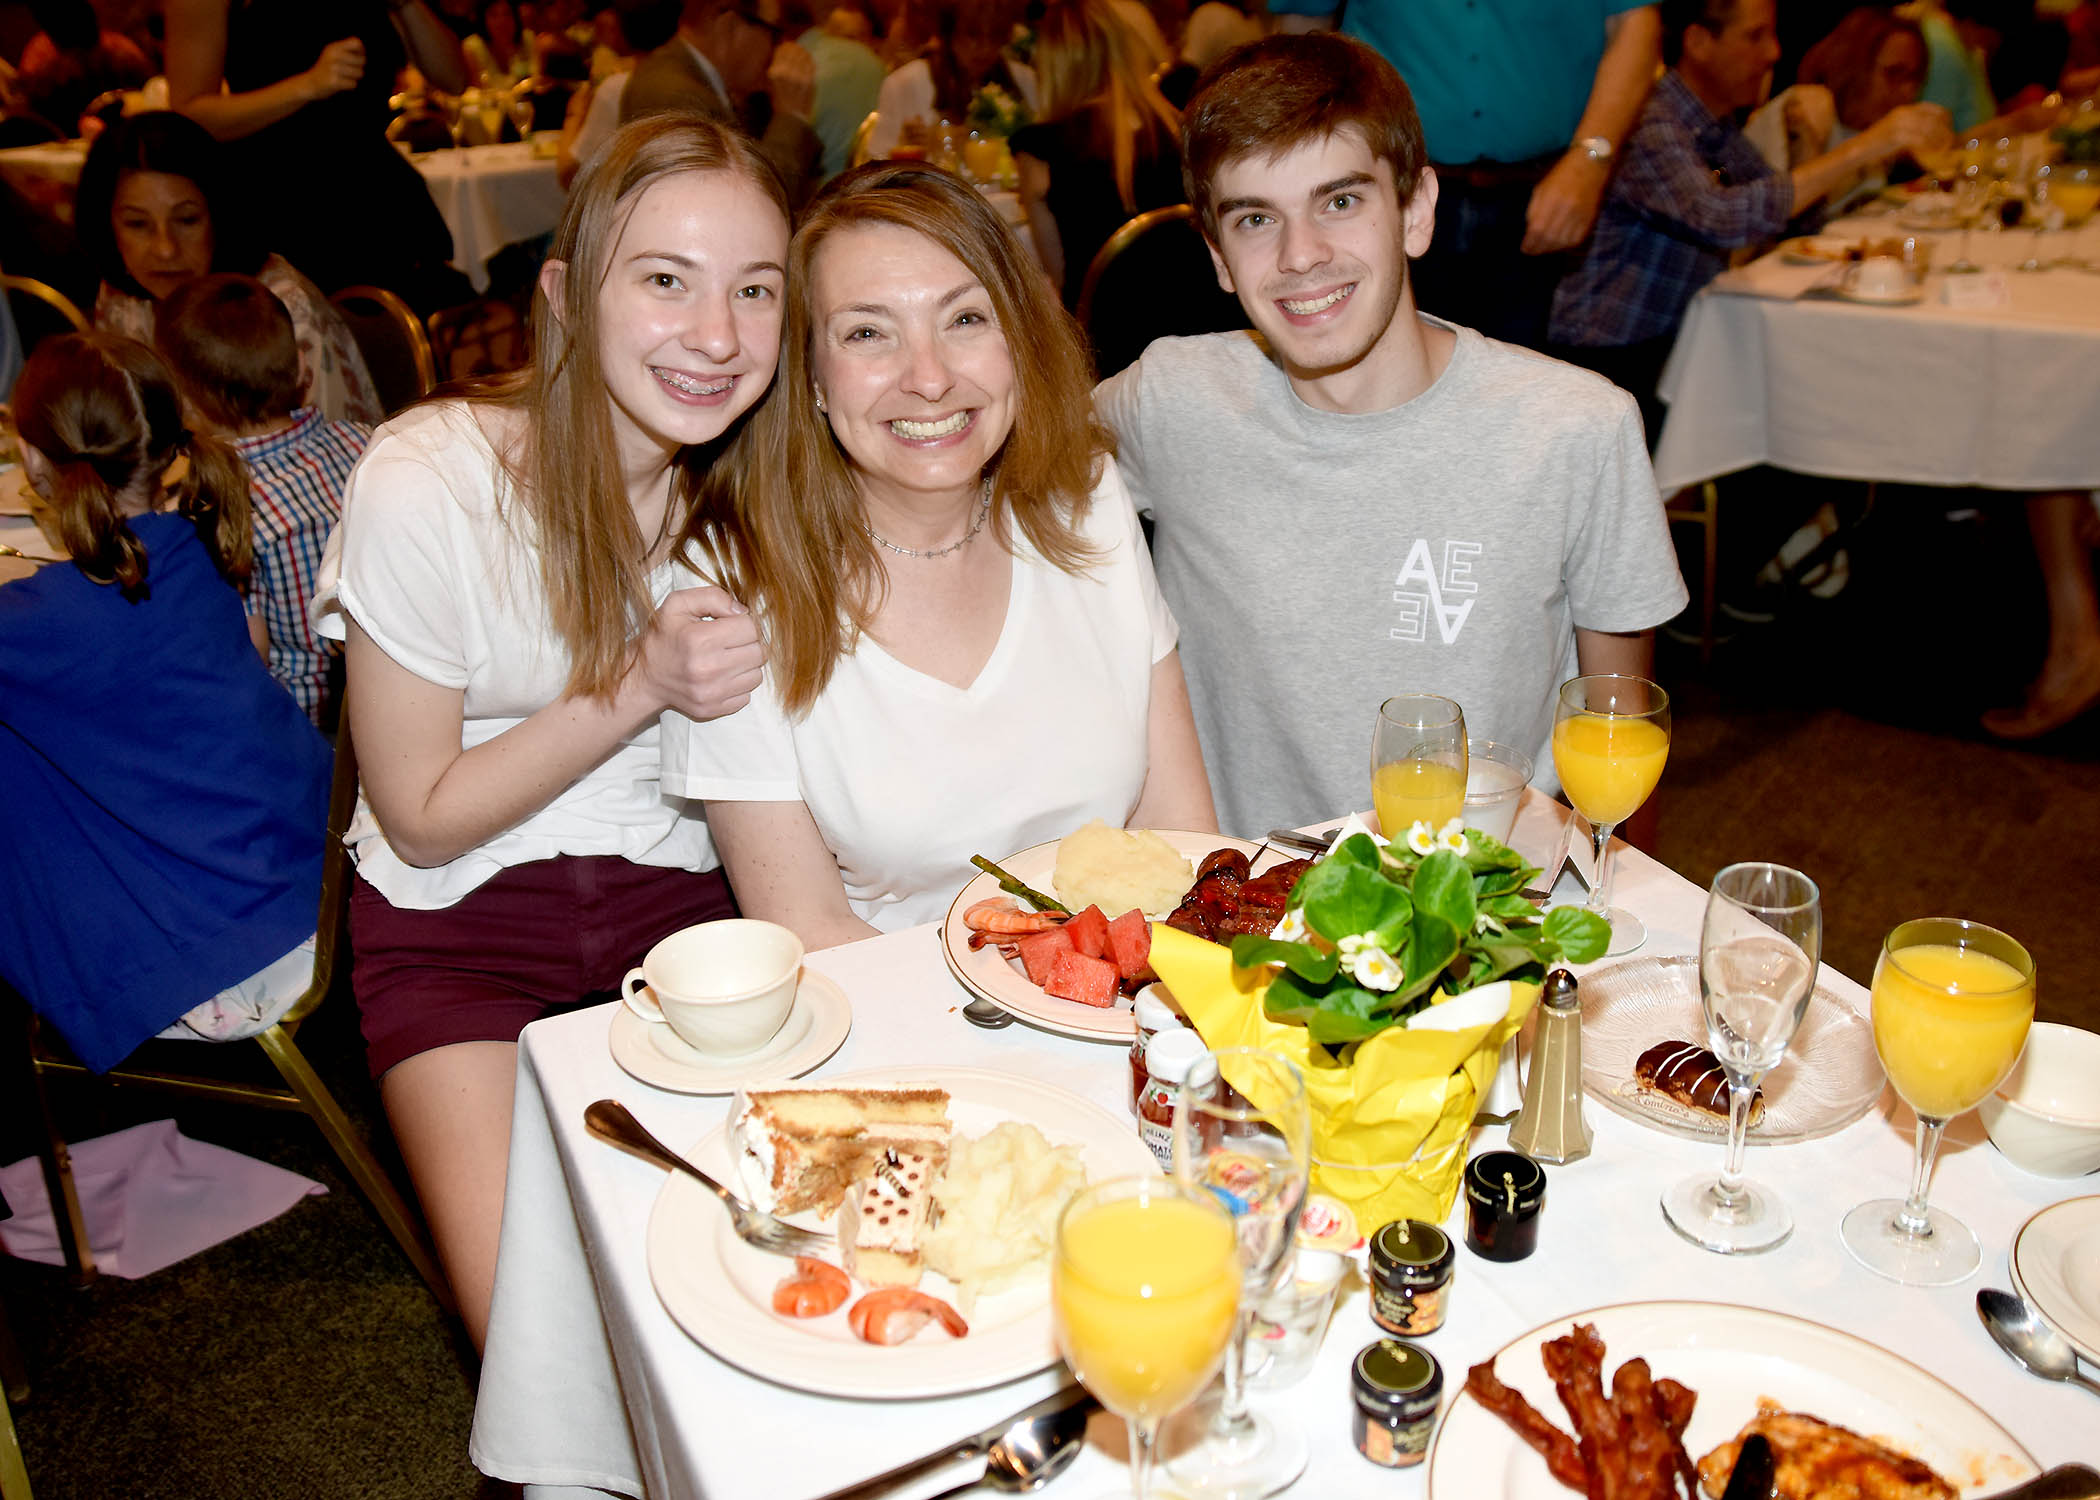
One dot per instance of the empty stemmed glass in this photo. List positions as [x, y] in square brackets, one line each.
[1757, 968]
[1969, 199]
[1243, 1133]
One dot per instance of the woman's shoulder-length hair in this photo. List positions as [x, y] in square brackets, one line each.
[781, 516]
[161, 141]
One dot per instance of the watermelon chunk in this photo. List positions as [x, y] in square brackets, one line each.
[1075, 976]
[1130, 945]
[1090, 932]
[1039, 948]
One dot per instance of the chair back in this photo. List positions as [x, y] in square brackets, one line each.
[420, 132]
[857, 151]
[550, 101]
[54, 302]
[391, 338]
[335, 875]
[1154, 278]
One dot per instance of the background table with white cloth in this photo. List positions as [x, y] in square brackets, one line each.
[588, 1381]
[2002, 397]
[492, 196]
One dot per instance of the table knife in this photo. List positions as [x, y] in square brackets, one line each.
[961, 1458]
[1751, 1479]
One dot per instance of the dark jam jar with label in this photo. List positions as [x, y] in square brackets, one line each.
[1410, 1277]
[1396, 1388]
[1505, 1192]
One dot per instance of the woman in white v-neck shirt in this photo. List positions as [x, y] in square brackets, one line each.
[967, 651]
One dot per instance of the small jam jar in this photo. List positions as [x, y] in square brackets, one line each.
[1410, 1277]
[1396, 1389]
[1154, 1012]
[1167, 1059]
[1505, 1190]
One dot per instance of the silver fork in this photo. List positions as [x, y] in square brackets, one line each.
[609, 1120]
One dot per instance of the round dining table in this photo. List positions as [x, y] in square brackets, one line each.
[589, 1382]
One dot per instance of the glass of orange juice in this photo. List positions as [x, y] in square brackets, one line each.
[1952, 1004]
[1144, 1294]
[1418, 763]
[1611, 736]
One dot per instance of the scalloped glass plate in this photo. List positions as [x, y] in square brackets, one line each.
[1829, 1078]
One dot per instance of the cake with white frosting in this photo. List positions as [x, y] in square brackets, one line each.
[802, 1149]
[883, 1216]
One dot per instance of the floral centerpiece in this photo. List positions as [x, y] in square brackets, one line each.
[1392, 981]
[993, 111]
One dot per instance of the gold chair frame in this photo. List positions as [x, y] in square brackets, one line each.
[406, 323]
[303, 1091]
[44, 292]
[857, 149]
[1700, 505]
[1130, 233]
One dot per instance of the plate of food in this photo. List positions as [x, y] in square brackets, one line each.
[1814, 250]
[944, 1184]
[1688, 1382]
[2056, 1267]
[1644, 1056]
[1011, 950]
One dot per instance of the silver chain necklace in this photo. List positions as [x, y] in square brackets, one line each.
[984, 509]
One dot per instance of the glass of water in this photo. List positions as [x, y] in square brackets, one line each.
[1496, 776]
[1757, 968]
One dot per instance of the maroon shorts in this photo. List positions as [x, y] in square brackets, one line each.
[533, 940]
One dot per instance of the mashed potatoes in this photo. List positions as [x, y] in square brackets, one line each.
[1117, 870]
[999, 1199]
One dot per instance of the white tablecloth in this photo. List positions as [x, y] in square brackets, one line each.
[491, 196]
[588, 1381]
[2007, 398]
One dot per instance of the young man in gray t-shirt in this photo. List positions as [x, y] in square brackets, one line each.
[1355, 500]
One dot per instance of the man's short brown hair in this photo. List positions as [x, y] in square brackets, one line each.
[231, 345]
[1272, 96]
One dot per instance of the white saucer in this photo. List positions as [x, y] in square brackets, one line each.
[659, 1057]
[1903, 298]
[2055, 1265]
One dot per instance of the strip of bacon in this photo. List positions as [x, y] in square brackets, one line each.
[1553, 1445]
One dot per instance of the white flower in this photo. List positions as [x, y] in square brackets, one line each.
[1292, 928]
[1484, 922]
[1354, 943]
[1422, 839]
[1452, 836]
[1371, 966]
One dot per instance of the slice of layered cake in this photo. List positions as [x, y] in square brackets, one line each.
[800, 1149]
[883, 1216]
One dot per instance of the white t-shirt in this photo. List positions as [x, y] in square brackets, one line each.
[907, 776]
[424, 565]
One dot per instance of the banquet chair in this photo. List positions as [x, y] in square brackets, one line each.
[50, 296]
[1700, 505]
[1152, 278]
[857, 151]
[391, 338]
[303, 1089]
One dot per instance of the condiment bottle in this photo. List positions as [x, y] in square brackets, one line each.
[1395, 1389]
[1154, 1013]
[1410, 1276]
[1168, 1059]
[1505, 1192]
[1551, 1126]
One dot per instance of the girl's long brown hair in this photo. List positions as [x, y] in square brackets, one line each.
[564, 469]
[1088, 59]
[104, 411]
[780, 517]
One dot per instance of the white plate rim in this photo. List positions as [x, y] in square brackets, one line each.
[1682, 1316]
[830, 1021]
[2086, 1338]
[1903, 299]
[689, 1221]
[1633, 1106]
[989, 977]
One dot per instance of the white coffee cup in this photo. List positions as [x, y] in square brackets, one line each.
[1877, 276]
[724, 988]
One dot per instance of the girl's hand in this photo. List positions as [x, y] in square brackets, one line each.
[701, 654]
[339, 67]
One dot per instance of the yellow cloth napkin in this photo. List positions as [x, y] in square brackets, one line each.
[1390, 1115]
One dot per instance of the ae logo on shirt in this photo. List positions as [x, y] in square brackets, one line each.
[1434, 593]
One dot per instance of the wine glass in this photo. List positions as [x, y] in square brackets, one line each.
[1757, 969]
[1418, 763]
[1611, 735]
[1144, 1295]
[460, 115]
[1952, 1004]
[2041, 211]
[1969, 196]
[1243, 1133]
[523, 112]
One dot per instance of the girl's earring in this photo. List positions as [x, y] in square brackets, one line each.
[820, 400]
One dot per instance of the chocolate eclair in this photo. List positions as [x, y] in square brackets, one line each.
[1692, 1076]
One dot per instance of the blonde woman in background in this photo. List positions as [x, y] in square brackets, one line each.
[1109, 145]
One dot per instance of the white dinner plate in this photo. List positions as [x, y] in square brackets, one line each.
[1814, 250]
[658, 1056]
[1731, 1357]
[1903, 297]
[2056, 1267]
[720, 1290]
[1829, 1077]
[1003, 981]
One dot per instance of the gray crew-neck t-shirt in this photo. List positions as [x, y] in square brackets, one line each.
[1320, 562]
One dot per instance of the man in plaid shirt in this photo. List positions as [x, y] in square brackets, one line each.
[230, 344]
[1690, 188]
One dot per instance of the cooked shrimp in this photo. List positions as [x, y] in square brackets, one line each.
[893, 1314]
[1003, 914]
[816, 1288]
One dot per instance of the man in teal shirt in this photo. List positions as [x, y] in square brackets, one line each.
[1524, 104]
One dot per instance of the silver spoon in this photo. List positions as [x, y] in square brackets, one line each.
[982, 1012]
[1023, 1453]
[610, 1121]
[2034, 1345]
